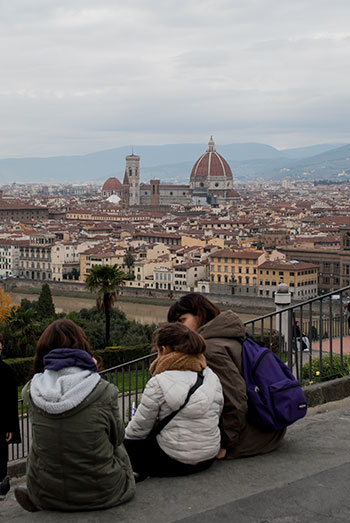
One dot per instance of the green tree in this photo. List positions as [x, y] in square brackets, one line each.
[22, 328]
[129, 261]
[104, 279]
[45, 306]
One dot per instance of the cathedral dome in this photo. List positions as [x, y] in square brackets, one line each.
[112, 184]
[210, 165]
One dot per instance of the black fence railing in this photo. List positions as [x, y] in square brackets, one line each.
[312, 337]
[323, 323]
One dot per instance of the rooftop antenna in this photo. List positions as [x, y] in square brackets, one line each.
[132, 150]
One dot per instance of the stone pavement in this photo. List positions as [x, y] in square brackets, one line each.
[338, 344]
[306, 480]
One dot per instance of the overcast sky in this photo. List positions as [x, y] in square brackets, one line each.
[80, 76]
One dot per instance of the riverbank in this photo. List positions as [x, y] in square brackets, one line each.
[240, 304]
[141, 309]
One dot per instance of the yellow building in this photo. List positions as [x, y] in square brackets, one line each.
[103, 254]
[232, 272]
[301, 278]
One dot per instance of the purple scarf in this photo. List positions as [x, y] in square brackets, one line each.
[58, 359]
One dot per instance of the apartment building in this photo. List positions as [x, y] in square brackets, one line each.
[9, 259]
[35, 256]
[301, 278]
[186, 276]
[333, 263]
[236, 272]
[65, 256]
[144, 272]
[101, 254]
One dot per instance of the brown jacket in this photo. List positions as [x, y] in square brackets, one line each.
[224, 356]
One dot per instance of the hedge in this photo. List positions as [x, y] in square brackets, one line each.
[111, 357]
[22, 368]
[271, 341]
[326, 373]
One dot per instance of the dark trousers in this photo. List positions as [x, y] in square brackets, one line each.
[3, 457]
[147, 458]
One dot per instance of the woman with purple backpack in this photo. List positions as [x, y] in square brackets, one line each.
[221, 331]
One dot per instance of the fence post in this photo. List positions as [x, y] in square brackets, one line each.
[283, 299]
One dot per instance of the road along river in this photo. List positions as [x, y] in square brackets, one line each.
[141, 312]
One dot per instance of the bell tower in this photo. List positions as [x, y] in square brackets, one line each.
[132, 176]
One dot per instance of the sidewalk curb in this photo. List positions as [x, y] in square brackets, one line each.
[333, 390]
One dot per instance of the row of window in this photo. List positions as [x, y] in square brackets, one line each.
[32, 265]
[226, 269]
[290, 273]
[163, 276]
[234, 260]
[226, 279]
[291, 284]
[308, 292]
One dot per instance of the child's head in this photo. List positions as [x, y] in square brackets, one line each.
[177, 337]
[58, 335]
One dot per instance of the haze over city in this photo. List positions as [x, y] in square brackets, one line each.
[85, 77]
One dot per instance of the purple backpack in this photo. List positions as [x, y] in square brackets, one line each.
[275, 397]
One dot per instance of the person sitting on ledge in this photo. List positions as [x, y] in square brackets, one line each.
[186, 396]
[77, 460]
[9, 425]
[221, 331]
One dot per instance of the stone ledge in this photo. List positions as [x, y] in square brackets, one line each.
[17, 468]
[333, 390]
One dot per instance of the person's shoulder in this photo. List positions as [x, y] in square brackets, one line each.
[109, 391]
[5, 365]
[7, 371]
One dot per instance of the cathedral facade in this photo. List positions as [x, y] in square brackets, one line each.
[211, 182]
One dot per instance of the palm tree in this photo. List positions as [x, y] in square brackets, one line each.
[104, 279]
[22, 328]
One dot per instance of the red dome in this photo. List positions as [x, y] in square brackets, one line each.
[112, 184]
[211, 164]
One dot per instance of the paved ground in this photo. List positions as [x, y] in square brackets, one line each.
[306, 480]
[336, 345]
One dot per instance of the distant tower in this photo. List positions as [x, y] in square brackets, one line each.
[155, 196]
[132, 179]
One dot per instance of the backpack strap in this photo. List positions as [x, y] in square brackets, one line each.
[159, 426]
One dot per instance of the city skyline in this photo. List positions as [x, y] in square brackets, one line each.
[88, 78]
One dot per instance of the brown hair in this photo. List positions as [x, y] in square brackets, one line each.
[60, 334]
[177, 337]
[196, 304]
[1, 338]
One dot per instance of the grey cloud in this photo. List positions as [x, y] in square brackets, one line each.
[80, 76]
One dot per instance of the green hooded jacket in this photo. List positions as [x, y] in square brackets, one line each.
[77, 459]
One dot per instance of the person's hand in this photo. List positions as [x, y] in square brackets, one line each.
[8, 436]
[221, 454]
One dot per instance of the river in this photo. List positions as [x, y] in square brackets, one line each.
[141, 312]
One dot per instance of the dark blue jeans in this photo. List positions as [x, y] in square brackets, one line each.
[147, 458]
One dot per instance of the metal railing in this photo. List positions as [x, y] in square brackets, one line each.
[323, 331]
[321, 319]
[131, 379]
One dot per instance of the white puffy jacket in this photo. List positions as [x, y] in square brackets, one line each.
[193, 435]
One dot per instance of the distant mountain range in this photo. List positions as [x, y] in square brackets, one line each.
[173, 163]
